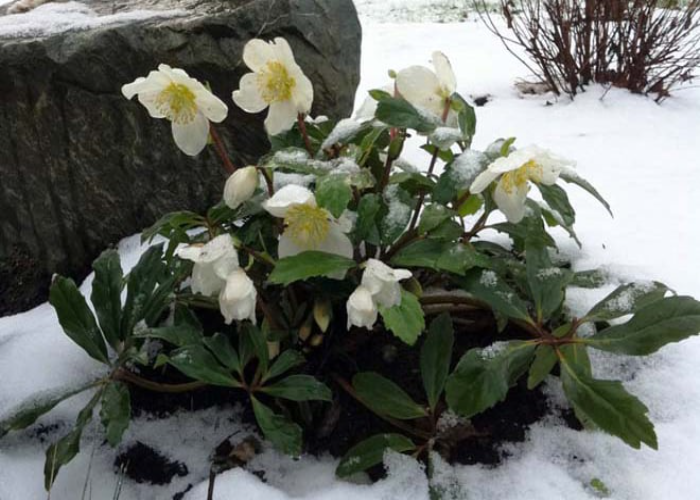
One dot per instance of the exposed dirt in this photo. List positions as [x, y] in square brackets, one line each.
[143, 464]
[23, 283]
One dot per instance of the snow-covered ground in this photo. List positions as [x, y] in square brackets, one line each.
[642, 156]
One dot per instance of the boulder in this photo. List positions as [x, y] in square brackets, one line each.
[81, 167]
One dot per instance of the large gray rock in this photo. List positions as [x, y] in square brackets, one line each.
[82, 167]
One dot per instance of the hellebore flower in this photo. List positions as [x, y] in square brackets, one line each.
[383, 282]
[213, 263]
[276, 81]
[170, 93]
[427, 89]
[240, 186]
[361, 308]
[238, 298]
[514, 173]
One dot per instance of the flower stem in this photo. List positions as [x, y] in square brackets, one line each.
[221, 150]
[305, 134]
[127, 376]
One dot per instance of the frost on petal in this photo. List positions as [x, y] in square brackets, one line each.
[192, 137]
[257, 53]
[483, 180]
[287, 197]
[361, 309]
[281, 117]
[211, 106]
[512, 203]
[444, 72]
[248, 96]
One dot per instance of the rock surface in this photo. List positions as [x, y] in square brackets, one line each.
[82, 167]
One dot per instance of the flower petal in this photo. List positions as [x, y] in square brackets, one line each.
[288, 196]
[483, 180]
[211, 106]
[192, 137]
[238, 298]
[443, 70]
[337, 243]
[511, 204]
[257, 53]
[361, 309]
[287, 247]
[303, 92]
[281, 117]
[421, 87]
[248, 96]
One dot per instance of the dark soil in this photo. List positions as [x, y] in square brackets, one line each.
[337, 427]
[143, 464]
[23, 282]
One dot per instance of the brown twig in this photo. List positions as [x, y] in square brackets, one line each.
[127, 376]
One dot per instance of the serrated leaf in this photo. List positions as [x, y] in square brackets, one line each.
[369, 213]
[220, 345]
[400, 113]
[370, 452]
[487, 286]
[252, 341]
[198, 363]
[608, 405]
[405, 320]
[436, 356]
[77, 319]
[283, 363]
[439, 255]
[106, 295]
[308, 265]
[299, 388]
[284, 434]
[432, 216]
[547, 282]
[115, 412]
[660, 323]
[627, 299]
[333, 193]
[542, 365]
[386, 398]
[141, 283]
[178, 335]
[483, 377]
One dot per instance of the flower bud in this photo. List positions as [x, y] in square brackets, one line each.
[362, 311]
[238, 298]
[240, 186]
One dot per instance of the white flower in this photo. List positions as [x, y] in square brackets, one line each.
[172, 94]
[277, 81]
[307, 226]
[514, 173]
[383, 282]
[361, 308]
[368, 108]
[429, 90]
[240, 186]
[238, 298]
[213, 263]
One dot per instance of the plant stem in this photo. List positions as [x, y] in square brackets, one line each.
[408, 237]
[221, 150]
[480, 224]
[305, 134]
[268, 180]
[127, 376]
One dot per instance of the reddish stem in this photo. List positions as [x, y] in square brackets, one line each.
[221, 150]
[305, 134]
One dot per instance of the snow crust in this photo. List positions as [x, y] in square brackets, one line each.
[643, 159]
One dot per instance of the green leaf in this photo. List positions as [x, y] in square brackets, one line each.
[435, 357]
[252, 341]
[406, 319]
[106, 295]
[283, 363]
[308, 265]
[573, 178]
[141, 282]
[486, 285]
[370, 452]
[369, 213]
[483, 377]
[198, 363]
[558, 201]
[76, 318]
[299, 388]
[466, 116]
[30, 412]
[545, 359]
[65, 449]
[333, 193]
[440, 255]
[400, 113]
[608, 405]
[115, 412]
[432, 216]
[627, 299]
[174, 225]
[284, 434]
[220, 345]
[470, 206]
[590, 278]
[178, 335]
[546, 281]
[386, 398]
[667, 320]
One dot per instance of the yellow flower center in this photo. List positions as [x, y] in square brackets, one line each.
[517, 178]
[307, 225]
[275, 83]
[177, 103]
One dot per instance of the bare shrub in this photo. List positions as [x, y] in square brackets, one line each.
[646, 46]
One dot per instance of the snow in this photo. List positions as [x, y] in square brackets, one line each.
[53, 18]
[641, 156]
